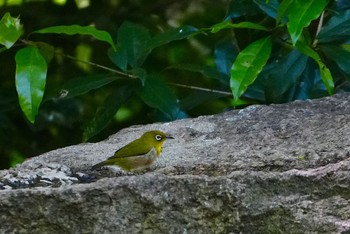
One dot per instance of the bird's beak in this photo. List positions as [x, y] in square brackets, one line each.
[169, 137]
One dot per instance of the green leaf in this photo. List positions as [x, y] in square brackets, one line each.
[11, 30]
[311, 85]
[248, 65]
[325, 73]
[225, 53]
[140, 73]
[172, 35]
[240, 8]
[82, 30]
[198, 97]
[339, 55]
[157, 94]
[204, 70]
[133, 41]
[46, 50]
[227, 24]
[301, 13]
[3, 49]
[106, 112]
[82, 85]
[269, 7]
[31, 71]
[337, 28]
[283, 10]
[280, 88]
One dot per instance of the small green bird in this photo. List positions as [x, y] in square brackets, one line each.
[138, 154]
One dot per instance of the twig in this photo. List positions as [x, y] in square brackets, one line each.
[97, 65]
[202, 89]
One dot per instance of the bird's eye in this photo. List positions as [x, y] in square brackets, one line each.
[158, 137]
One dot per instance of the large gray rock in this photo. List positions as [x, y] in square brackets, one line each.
[263, 169]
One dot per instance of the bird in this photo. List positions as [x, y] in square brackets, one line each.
[138, 154]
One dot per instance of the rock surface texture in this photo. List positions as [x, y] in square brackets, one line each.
[263, 169]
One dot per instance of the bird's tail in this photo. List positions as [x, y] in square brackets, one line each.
[98, 165]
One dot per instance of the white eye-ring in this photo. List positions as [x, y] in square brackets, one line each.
[158, 137]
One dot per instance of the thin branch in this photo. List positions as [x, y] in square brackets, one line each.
[201, 89]
[97, 65]
[133, 76]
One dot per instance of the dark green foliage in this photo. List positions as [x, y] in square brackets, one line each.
[75, 81]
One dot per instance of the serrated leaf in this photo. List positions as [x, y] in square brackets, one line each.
[31, 71]
[82, 30]
[133, 40]
[156, 94]
[11, 30]
[172, 35]
[248, 65]
[340, 56]
[337, 28]
[249, 25]
[301, 13]
[325, 72]
[106, 112]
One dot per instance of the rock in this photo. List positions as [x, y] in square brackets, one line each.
[263, 169]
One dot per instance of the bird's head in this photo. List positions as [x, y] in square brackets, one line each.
[155, 138]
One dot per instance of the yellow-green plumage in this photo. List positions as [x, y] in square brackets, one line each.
[138, 154]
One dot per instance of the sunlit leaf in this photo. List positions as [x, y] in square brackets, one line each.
[106, 112]
[248, 65]
[31, 71]
[82, 30]
[301, 13]
[10, 30]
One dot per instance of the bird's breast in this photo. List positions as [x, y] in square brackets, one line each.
[152, 154]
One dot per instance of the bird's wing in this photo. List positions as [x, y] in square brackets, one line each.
[135, 148]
